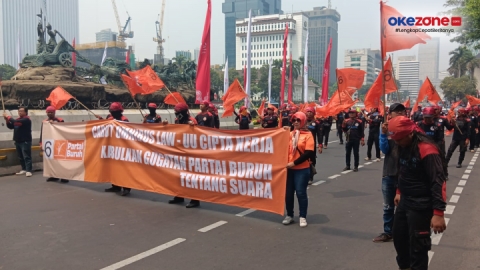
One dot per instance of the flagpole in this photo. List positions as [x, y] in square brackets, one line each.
[170, 92]
[1, 94]
[339, 96]
[382, 49]
[138, 106]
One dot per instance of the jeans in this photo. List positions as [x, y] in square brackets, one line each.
[453, 145]
[24, 152]
[411, 238]
[355, 146]
[389, 192]
[297, 182]
[373, 138]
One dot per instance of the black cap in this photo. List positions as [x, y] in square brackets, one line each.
[396, 107]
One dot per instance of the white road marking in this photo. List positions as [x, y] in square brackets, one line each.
[471, 163]
[450, 209]
[430, 255]
[345, 172]
[462, 182]
[458, 190]
[318, 183]
[368, 163]
[474, 159]
[361, 166]
[465, 176]
[213, 226]
[468, 171]
[246, 212]
[476, 155]
[470, 167]
[454, 199]
[334, 176]
[144, 254]
[437, 237]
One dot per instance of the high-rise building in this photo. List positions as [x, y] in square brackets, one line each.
[186, 54]
[106, 35]
[267, 38]
[367, 60]
[238, 9]
[407, 73]
[94, 51]
[323, 25]
[196, 53]
[18, 27]
[429, 57]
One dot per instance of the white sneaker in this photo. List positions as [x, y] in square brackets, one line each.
[303, 222]
[28, 174]
[287, 221]
[21, 172]
[367, 159]
[378, 159]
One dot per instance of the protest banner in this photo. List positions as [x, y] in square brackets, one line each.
[231, 167]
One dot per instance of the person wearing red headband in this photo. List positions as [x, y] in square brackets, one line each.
[51, 118]
[301, 150]
[463, 127]
[22, 136]
[421, 194]
[355, 136]
[243, 118]
[183, 118]
[316, 129]
[213, 110]
[152, 117]
[270, 120]
[474, 127]
[205, 118]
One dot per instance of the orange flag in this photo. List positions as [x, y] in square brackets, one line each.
[174, 98]
[350, 79]
[131, 85]
[473, 100]
[374, 94]
[59, 97]
[275, 110]
[451, 112]
[427, 90]
[234, 94]
[337, 103]
[147, 79]
[261, 108]
[393, 40]
[407, 103]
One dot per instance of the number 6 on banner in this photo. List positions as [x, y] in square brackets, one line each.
[48, 149]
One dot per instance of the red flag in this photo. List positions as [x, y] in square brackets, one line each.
[290, 82]
[59, 97]
[74, 55]
[326, 74]
[132, 85]
[203, 70]
[284, 66]
[391, 40]
[473, 100]
[127, 57]
[407, 103]
[147, 79]
[427, 90]
[174, 98]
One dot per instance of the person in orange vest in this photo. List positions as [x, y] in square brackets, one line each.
[152, 117]
[116, 113]
[51, 118]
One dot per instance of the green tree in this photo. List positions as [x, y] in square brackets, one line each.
[234, 74]
[469, 10]
[457, 88]
[276, 79]
[7, 72]
[216, 82]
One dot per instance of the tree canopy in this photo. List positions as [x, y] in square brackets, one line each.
[7, 72]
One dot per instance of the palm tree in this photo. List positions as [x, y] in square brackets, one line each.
[180, 60]
[458, 61]
[277, 64]
[471, 65]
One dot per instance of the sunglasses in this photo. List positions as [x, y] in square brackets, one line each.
[296, 120]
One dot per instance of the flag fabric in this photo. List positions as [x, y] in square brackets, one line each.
[427, 91]
[261, 108]
[225, 78]
[275, 110]
[375, 93]
[290, 82]
[174, 98]
[326, 74]
[132, 85]
[104, 54]
[339, 101]
[74, 55]
[249, 58]
[270, 62]
[305, 72]
[203, 68]
[350, 79]
[127, 57]
[451, 112]
[284, 66]
[59, 97]
[473, 100]
[244, 76]
[407, 103]
[235, 93]
[147, 79]
[393, 40]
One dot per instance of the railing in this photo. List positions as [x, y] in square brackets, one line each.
[75, 105]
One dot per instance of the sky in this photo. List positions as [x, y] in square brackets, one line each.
[184, 21]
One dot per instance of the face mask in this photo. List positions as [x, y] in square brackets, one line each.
[116, 114]
[152, 111]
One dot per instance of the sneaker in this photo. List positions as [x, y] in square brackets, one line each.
[459, 165]
[325, 147]
[176, 200]
[341, 142]
[303, 222]
[287, 221]
[113, 189]
[383, 237]
[52, 179]
[368, 159]
[472, 151]
[355, 169]
[378, 159]
[21, 172]
[28, 174]
[346, 168]
[310, 181]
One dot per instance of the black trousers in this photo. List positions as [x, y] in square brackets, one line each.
[411, 238]
[326, 134]
[355, 146]
[453, 145]
[473, 140]
[340, 133]
[477, 139]
[443, 153]
[373, 138]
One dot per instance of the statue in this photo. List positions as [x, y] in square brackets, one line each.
[52, 42]
[110, 70]
[41, 38]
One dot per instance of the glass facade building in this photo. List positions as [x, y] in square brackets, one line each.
[238, 9]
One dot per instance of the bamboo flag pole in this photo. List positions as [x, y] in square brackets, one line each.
[339, 96]
[1, 94]
[138, 106]
[382, 52]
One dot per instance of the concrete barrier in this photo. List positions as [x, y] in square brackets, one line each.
[9, 163]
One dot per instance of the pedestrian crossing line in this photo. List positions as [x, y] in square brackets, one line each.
[345, 172]
[368, 163]
[470, 167]
[318, 183]
[458, 190]
[462, 182]
[361, 166]
[465, 176]
[437, 237]
[430, 255]
[468, 171]
[449, 210]
[454, 199]
[334, 176]
[246, 212]
[471, 163]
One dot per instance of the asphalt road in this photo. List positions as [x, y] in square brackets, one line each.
[78, 226]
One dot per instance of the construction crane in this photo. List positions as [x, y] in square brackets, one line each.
[159, 39]
[123, 34]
